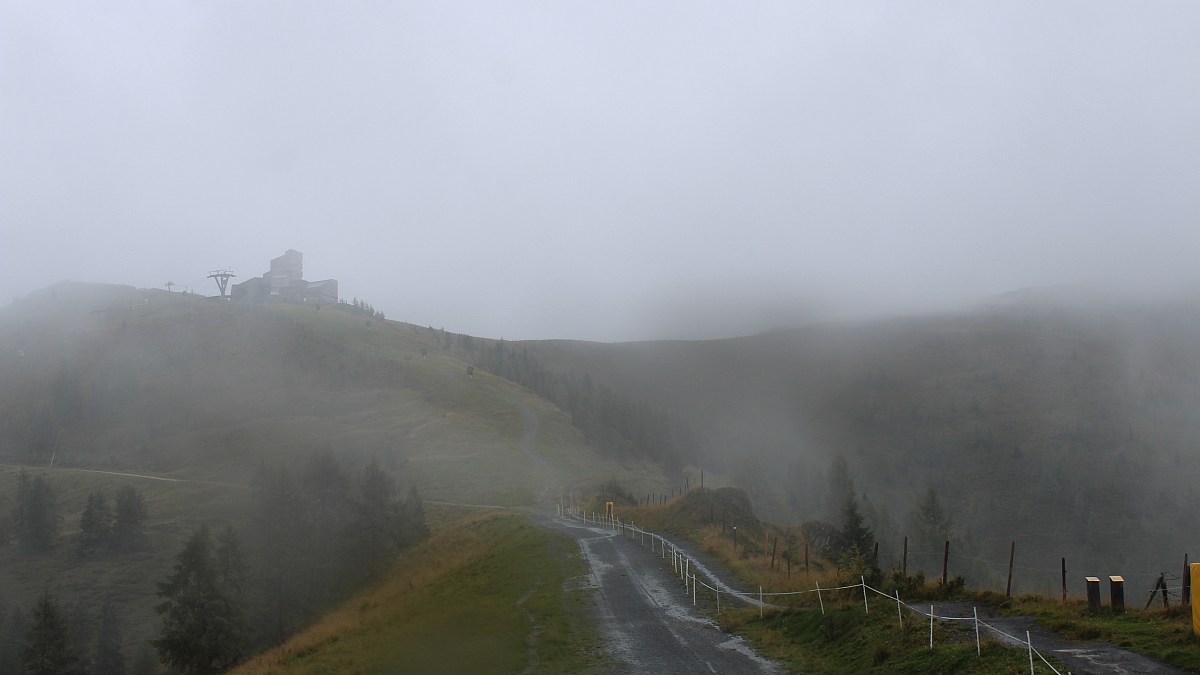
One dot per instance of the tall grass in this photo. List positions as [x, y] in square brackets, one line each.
[488, 594]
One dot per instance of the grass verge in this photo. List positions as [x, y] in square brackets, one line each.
[844, 639]
[847, 640]
[489, 594]
[1163, 634]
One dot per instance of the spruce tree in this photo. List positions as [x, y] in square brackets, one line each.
[377, 528]
[47, 648]
[109, 658]
[202, 631]
[37, 517]
[95, 525]
[855, 532]
[128, 529]
[930, 521]
[12, 640]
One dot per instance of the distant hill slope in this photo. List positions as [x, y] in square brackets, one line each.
[1066, 421]
[113, 378]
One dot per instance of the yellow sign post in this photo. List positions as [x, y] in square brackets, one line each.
[1194, 573]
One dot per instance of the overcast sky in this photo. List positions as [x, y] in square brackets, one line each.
[604, 170]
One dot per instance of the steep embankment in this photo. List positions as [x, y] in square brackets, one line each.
[1065, 424]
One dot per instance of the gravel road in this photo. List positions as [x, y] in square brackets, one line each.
[645, 615]
[1079, 657]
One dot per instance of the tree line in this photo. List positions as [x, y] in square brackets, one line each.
[35, 520]
[49, 638]
[616, 423]
[317, 533]
[54, 640]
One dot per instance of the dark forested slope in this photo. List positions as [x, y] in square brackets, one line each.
[1067, 422]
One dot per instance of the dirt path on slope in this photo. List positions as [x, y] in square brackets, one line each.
[644, 613]
[1079, 657]
[131, 475]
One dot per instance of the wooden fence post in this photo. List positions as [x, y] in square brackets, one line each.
[945, 562]
[1159, 582]
[904, 560]
[1012, 554]
[1064, 579]
[1187, 582]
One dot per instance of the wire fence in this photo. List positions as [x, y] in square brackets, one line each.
[688, 569]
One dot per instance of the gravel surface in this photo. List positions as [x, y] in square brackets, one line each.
[646, 616]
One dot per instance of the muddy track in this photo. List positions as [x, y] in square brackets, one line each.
[644, 614]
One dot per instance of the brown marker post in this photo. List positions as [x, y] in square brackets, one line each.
[1012, 554]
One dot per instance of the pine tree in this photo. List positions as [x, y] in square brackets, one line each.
[855, 532]
[37, 517]
[377, 526]
[202, 632]
[128, 531]
[412, 526]
[109, 658]
[79, 633]
[233, 574]
[930, 521]
[47, 651]
[95, 524]
[232, 569]
[12, 641]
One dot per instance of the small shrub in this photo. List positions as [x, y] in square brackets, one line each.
[880, 653]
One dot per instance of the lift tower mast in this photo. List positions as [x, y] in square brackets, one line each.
[222, 278]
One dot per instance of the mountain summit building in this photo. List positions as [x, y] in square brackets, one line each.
[284, 282]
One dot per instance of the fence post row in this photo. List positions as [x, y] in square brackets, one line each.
[682, 566]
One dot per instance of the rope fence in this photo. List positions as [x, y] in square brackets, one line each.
[682, 564]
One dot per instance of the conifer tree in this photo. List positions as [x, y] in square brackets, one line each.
[12, 640]
[95, 525]
[202, 632]
[930, 521]
[109, 658]
[37, 517]
[47, 649]
[855, 532]
[128, 529]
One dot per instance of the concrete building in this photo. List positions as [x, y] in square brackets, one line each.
[284, 282]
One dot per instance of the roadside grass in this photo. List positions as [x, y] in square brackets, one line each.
[492, 593]
[1164, 634]
[847, 640]
[706, 517]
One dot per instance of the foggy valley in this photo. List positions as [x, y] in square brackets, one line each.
[544, 337]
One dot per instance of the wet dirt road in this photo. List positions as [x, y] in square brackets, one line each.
[645, 615]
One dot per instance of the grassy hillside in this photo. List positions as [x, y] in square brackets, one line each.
[110, 378]
[1067, 425]
[488, 594]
